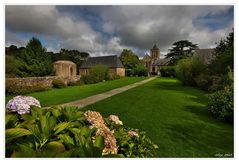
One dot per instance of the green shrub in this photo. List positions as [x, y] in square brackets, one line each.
[167, 71]
[139, 70]
[12, 89]
[113, 77]
[75, 83]
[221, 104]
[66, 132]
[58, 83]
[187, 70]
[89, 79]
[100, 72]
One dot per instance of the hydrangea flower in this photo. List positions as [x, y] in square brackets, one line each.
[115, 119]
[133, 134]
[97, 122]
[22, 104]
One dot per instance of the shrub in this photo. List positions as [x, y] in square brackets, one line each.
[75, 83]
[68, 132]
[11, 88]
[139, 70]
[221, 104]
[167, 71]
[58, 83]
[100, 72]
[89, 79]
[113, 77]
[187, 70]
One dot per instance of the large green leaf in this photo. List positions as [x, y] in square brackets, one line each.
[61, 126]
[66, 139]
[11, 120]
[55, 146]
[14, 133]
[99, 142]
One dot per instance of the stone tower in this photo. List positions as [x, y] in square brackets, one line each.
[155, 52]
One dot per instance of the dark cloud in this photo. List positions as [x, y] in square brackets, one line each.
[106, 30]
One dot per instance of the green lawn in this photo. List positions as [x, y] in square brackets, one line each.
[60, 96]
[174, 117]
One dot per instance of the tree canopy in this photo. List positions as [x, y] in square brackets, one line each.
[180, 50]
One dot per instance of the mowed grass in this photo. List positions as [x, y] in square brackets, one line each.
[60, 96]
[174, 117]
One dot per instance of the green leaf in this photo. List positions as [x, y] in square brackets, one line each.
[61, 126]
[11, 120]
[66, 139]
[55, 146]
[14, 133]
[99, 142]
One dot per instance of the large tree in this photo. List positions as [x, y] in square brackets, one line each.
[129, 59]
[224, 54]
[34, 60]
[180, 50]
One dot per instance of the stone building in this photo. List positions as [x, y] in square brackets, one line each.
[153, 62]
[64, 68]
[112, 62]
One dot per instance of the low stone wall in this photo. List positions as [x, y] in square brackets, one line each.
[44, 81]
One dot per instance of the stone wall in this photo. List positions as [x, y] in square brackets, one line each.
[44, 81]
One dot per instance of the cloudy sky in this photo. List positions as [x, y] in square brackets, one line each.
[107, 30]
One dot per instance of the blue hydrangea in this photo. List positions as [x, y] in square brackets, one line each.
[22, 104]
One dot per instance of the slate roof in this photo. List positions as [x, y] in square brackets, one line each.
[110, 61]
[161, 62]
[206, 54]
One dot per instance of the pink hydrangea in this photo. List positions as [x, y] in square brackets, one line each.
[133, 134]
[22, 104]
[97, 121]
[115, 119]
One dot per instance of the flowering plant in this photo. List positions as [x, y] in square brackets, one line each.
[22, 104]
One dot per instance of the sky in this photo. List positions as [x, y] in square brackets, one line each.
[107, 30]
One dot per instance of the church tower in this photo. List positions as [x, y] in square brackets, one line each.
[155, 52]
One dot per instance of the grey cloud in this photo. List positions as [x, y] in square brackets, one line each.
[134, 27]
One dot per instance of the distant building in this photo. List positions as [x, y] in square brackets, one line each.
[153, 62]
[64, 68]
[112, 62]
[207, 55]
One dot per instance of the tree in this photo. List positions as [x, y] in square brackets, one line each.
[34, 61]
[224, 54]
[180, 50]
[129, 59]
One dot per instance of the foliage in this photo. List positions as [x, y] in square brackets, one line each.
[113, 77]
[181, 50]
[11, 88]
[139, 70]
[129, 59]
[133, 145]
[97, 73]
[34, 61]
[133, 66]
[167, 71]
[187, 70]
[58, 83]
[75, 83]
[224, 56]
[65, 132]
[11, 66]
[100, 72]
[221, 104]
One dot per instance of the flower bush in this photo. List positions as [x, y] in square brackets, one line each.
[68, 132]
[21, 104]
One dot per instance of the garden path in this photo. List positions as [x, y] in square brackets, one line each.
[95, 98]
